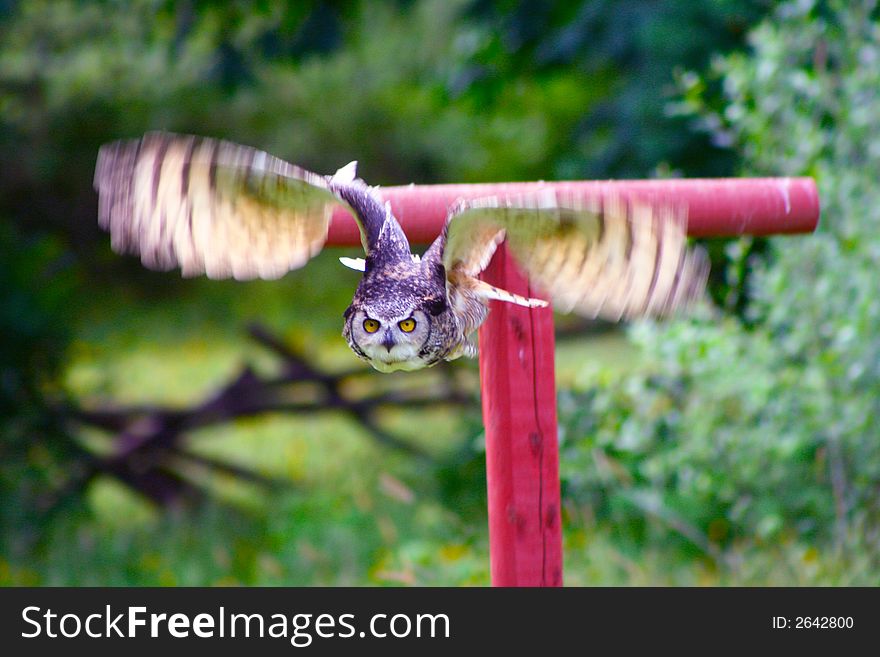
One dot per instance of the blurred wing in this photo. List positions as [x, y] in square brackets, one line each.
[611, 259]
[209, 206]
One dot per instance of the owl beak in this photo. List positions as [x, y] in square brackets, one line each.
[388, 341]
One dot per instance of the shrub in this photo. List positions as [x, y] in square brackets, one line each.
[765, 431]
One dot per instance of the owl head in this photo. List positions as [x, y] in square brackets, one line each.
[392, 316]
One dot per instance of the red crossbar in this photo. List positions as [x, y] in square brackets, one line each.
[717, 207]
[517, 345]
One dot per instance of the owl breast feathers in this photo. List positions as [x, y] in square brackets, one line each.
[224, 210]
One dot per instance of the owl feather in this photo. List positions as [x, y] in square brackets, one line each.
[216, 208]
[211, 207]
[611, 258]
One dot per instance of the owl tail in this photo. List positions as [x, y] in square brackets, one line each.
[485, 291]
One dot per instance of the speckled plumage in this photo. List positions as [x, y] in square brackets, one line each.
[226, 210]
[395, 285]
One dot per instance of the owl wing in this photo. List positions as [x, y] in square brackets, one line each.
[210, 206]
[613, 258]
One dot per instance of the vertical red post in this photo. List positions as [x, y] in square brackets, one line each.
[518, 386]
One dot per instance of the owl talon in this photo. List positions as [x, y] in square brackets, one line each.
[358, 264]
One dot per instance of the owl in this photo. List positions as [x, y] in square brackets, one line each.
[216, 208]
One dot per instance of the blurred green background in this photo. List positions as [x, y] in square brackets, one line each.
[737, 447]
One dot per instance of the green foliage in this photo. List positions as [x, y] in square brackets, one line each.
[626, 53]
[301, 540]
[429, 91]
[738, 448]
[767, 435]
[35, 289]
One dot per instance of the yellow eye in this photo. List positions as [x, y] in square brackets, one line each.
[407, 325]
[371, 325]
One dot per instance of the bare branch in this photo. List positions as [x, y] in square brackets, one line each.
[148, 443]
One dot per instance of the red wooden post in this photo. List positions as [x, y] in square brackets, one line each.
[518, 390]
[516, 344]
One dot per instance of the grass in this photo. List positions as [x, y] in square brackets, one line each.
[351, 511]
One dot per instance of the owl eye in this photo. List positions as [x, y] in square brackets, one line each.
[371, 325]
[407, 325]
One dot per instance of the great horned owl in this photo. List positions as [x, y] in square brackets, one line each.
[225, 210]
